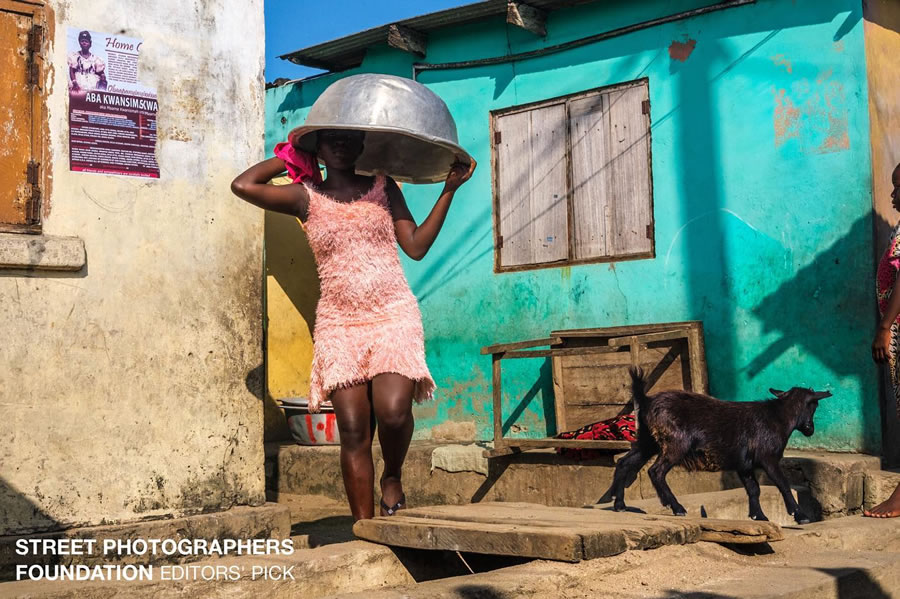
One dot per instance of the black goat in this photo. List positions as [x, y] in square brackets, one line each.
[701, 432]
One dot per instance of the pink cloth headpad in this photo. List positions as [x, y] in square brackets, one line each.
[301, 166]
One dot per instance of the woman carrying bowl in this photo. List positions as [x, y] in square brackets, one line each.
[886, 345]
[369, 347]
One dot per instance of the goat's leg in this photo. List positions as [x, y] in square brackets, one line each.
[626, 470]
[773, 471]
[748, 477]
[658, 472]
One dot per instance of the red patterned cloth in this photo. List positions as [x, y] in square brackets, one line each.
[620, 428]
[886, 276]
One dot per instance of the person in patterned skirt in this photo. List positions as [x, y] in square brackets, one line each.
[885, 346]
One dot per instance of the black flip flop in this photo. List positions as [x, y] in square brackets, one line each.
[397, 506]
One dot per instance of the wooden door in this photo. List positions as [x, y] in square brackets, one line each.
[17, 117]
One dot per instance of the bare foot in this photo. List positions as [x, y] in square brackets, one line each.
[392, 496]
[887, 509]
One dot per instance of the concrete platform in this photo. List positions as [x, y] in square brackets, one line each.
[453, 474]
[732, 504]
[842, 558]
[343, 567]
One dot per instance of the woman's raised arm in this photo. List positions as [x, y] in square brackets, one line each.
[415, 240]
[252, 186]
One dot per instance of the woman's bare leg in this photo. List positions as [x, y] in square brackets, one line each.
[354, 419]
[392, 397]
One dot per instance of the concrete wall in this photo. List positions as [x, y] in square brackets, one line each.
[130, 389]
[762, 195]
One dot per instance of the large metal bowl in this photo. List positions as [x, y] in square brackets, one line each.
[410, 134]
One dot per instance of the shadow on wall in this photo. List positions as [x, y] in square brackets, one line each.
[809, 311]
[275, 426]
[20, 515]
[543, 386]
[289, 259]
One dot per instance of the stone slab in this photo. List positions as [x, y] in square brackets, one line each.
[564, 534]
[739, 531]
[460, 458]
[41, 252]
[836, 480]
[554, 543]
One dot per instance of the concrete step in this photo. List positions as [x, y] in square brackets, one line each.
[270, 521]
[879, 486]
[732, 504]
[339, 568]
[454, 474]
[853, 533]
[316, 520]
[437, 474]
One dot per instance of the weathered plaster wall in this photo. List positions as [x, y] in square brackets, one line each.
[882, 40]
[131, 389]
[762, 196]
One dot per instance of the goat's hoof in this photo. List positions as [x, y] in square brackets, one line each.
[619, 507]
[759, 517]
[679, 511]
[801, 518]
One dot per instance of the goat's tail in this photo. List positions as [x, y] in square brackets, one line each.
[639, 389]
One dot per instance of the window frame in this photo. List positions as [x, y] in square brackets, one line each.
[39, 132]
[565, 100]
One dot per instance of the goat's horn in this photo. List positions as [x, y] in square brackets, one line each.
[822, 394]
[776, 392]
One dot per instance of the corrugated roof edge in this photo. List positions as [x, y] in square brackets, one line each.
[348, 51]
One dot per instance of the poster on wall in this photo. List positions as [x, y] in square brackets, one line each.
[112, 117]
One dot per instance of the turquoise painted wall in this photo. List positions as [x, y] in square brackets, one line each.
[761, 178]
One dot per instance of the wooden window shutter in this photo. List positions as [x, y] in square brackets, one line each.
[531, 186]
[592, 206]
[20, 40]
[611, 173]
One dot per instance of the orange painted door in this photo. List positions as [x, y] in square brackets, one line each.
[16, 117]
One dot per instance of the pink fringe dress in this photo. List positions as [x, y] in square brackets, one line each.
[367, 320]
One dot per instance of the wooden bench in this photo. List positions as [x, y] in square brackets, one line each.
[590, 375]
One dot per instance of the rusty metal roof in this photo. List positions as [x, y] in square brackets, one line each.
[348, 51]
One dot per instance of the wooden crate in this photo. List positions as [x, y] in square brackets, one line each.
[590, 374]
[594, 387]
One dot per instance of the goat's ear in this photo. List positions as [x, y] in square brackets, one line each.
[776, 392]
[821, 395]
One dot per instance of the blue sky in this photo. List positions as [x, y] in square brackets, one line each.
[295, 24]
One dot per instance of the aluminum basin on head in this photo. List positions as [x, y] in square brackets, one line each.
[410, 134]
